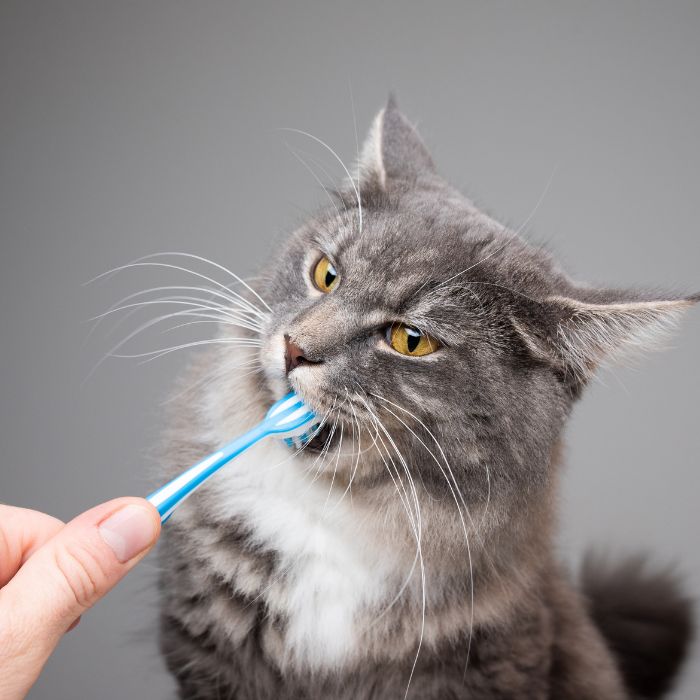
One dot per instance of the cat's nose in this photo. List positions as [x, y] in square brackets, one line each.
[294, 355]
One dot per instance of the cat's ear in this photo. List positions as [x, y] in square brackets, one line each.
[393, 150]
[605, 327]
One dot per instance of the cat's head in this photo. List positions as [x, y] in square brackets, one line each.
[405, 310]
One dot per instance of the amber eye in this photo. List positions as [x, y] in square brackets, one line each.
[411, 341]
[325, 275]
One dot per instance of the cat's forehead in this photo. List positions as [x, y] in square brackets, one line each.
[404, 251]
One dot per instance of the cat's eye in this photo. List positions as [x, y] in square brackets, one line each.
[410, 341]
[325, 275]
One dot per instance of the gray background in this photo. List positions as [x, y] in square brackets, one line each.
[133, 127]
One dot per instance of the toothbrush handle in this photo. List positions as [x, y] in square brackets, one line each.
[169, 496]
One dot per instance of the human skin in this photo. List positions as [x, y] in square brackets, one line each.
[52, 572]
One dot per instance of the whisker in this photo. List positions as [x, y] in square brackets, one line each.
[335, 469]
[192, 303]
[337, 157]
[299, 450]
[231, 302]
[193, 257]
[326, 447]
[252, 308]
[348, 488]
[407, 579]
[233, 307]
[155, 354]
[297, 155]
[422, 564]
[512, 236]
[398, 482]
[319, 164]
[395, 479]
[357, 149]
[145, 326]
[213, 319]
[454, 496]
[418, 533]
[469, 283]
[281, 574]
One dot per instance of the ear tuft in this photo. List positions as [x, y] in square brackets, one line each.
[370, 168]
[580, 336]
[393, 150]
[590, 335]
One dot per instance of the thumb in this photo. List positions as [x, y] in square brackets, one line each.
[68, 574]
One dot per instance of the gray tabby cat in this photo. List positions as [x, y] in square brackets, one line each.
[408, 550]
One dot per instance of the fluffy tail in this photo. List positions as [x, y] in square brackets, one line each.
[644, 617]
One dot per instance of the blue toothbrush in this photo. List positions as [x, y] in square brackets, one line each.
[288, 418]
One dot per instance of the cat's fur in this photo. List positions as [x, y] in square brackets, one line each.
[420, 549]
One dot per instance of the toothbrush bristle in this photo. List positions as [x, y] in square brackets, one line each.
[300, 441]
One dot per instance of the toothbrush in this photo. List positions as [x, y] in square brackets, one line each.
[288, 418]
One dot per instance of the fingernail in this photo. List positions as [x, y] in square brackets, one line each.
[128, 531]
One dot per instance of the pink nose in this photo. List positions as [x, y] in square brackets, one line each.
[293, 355]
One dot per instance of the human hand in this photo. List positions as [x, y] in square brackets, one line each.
[51, 573]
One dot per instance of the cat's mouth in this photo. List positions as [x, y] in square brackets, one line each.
[327, 437]
[324, 439]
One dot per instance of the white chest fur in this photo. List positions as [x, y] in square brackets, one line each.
[330, 568]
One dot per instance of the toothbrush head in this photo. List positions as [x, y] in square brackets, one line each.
[290, 419]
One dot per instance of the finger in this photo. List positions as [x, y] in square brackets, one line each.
[22, 532]
[65, 577]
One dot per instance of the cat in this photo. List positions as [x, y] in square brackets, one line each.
[407, 550]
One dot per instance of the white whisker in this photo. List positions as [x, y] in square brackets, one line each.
[193, 257]
[418, 537]
[194, 304]
[450, 483]
[155, 354]
[245, 302]
[335, 469]
[513, 235]
[231, 302]
[355, 421]
[297, 155]
[337, 157]
[357, 149]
